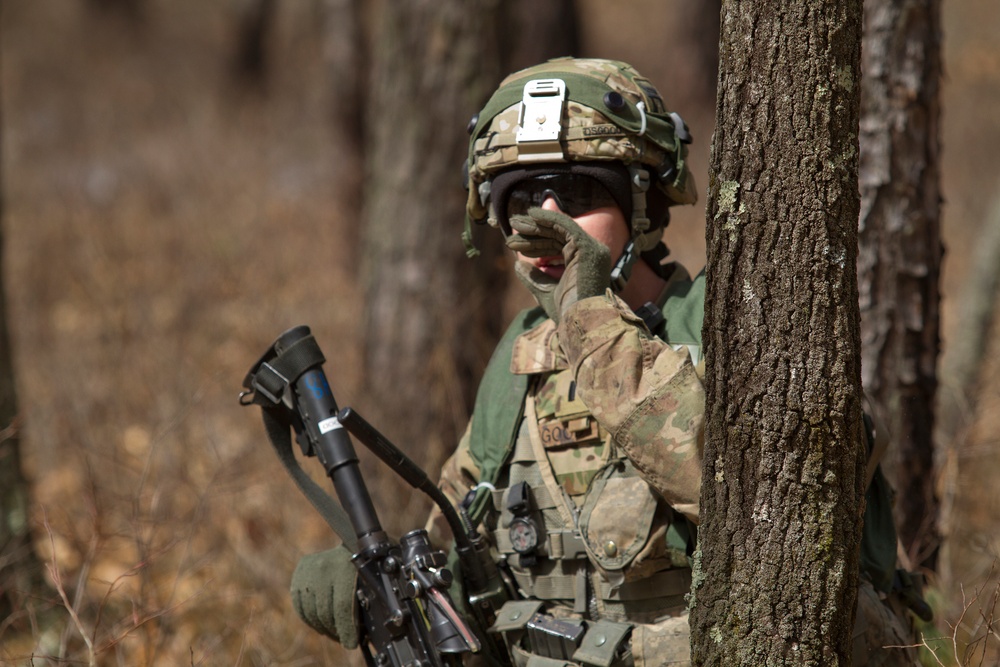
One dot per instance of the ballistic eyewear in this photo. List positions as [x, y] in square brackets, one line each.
[574, 194]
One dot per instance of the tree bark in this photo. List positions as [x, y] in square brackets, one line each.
[777, 570]
[900, 255]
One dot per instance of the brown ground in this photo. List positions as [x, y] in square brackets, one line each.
[162, 227]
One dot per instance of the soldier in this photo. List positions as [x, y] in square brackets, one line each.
[582, 460]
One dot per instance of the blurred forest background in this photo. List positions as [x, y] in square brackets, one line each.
[178, 189]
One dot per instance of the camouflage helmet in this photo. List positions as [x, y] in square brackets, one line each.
[572, 110]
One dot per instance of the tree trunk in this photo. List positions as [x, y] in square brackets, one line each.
[433, 316]
[253, 32]
[532, 32]
[132, 10]
[347, 54]
[970, 429]
[781, 509]
[899, 262]
[694, 29]
[20, 570]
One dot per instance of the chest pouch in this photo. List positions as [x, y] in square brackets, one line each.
[617, 517]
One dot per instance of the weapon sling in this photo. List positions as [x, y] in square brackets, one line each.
[265, 387]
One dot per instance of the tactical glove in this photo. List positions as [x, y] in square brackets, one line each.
[544, 233]
[322, 590]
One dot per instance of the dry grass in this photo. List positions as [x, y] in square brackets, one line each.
[972, 639]
[161, 228]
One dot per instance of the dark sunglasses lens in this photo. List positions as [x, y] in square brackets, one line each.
[521, 199]
[574, 194]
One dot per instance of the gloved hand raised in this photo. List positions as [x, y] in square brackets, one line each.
[322, 591]
[587, 261]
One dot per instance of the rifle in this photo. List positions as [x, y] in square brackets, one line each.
[407, 616]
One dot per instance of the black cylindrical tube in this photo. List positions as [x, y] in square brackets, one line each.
[407, 469]
[332, 444]
[334, 449]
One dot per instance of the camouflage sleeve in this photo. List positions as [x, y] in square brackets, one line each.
[644, 393]
[459, 474]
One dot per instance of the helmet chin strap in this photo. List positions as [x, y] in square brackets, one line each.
[638, 225]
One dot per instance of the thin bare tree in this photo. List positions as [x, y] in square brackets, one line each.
[899, 262]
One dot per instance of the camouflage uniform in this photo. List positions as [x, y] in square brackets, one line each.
[610, 447]
[621, 451]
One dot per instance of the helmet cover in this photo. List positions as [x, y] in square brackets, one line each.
[581, 110]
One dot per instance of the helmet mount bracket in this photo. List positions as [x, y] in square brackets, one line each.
[540, 121]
